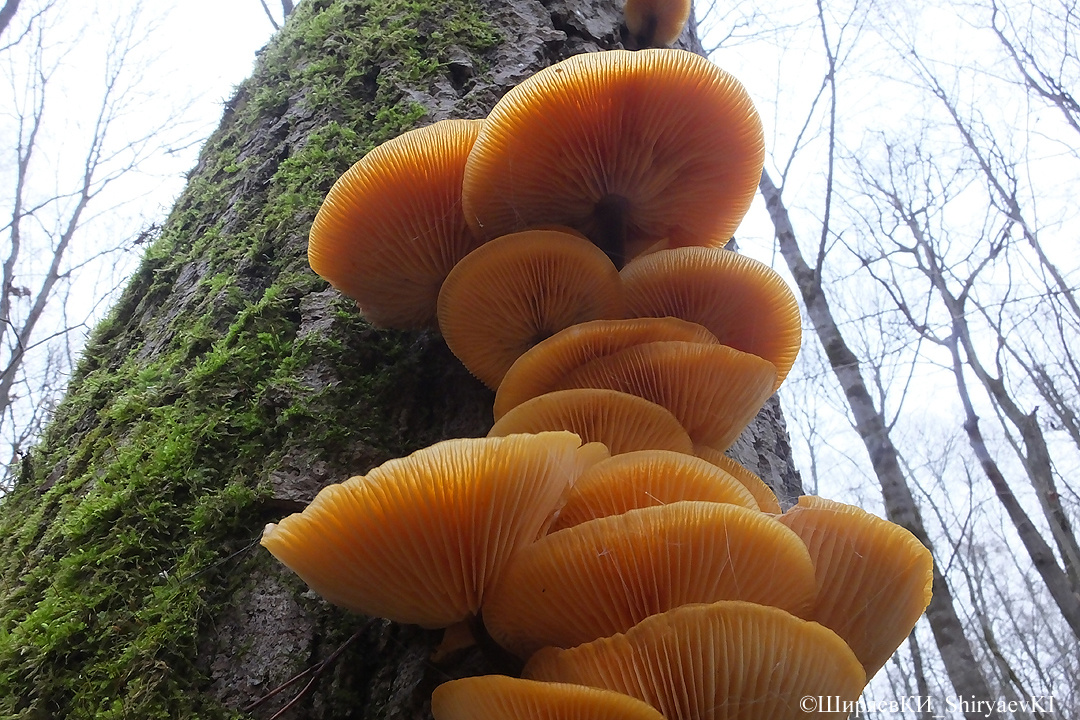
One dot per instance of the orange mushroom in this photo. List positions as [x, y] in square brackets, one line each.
[497, 697]
[512, 293]
[656, 23]
[645, 478]
[421, 539]
[629, 147]
[541, 368]
[728, 660]
[391, 227]
[874, 577]
[603, 576]
[713, 390]
[745, 303]
[620, 421]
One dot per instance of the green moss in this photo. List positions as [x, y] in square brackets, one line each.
[156, 465]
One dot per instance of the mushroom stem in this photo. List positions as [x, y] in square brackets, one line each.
[501, 660]
[610, 213]
[644, 38]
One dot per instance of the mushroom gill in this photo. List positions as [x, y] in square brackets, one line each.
[727, 660]
[603, 576]
[514, 292]
[629, 147]
[620, 421]
[421, 539]
[874, 577]
[541, 368]
[646, 478]
[497, 697]
[391, 227]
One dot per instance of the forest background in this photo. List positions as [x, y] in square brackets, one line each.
[921, 174]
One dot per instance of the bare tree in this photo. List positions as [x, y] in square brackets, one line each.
[58, 203]
[921, 248]
[287, 7]
[1047, 69]
[960, 663]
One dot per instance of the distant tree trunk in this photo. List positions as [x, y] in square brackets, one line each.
[7, 12]
[230, 384]
[960, 663]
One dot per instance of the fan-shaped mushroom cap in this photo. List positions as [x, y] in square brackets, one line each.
[766, 498]
[874, 578]
[745, 303]
[391, 227]
[713, 390]
[620, 421]
[646, 478]
[497, 697]
[514, 292]
[724, 661]
[540, 369]
[605, 575]
[420, 539]
[628, 147]
[656, 23]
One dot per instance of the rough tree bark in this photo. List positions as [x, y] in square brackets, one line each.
[230, 384]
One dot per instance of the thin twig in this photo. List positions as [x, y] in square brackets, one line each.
[315, 671]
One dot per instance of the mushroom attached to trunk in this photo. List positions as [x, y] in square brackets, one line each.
[603, 576]
[646, 478]
[713, 390]
[421, 539]
[716, 662]
[542, 368]
[631, 148]
[743, 302]
[620, 421]
[766, 498]
[655, 23]
[514, 292]
[497, 697]
[391, 227]
[874, 577]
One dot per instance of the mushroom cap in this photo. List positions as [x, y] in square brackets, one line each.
[766, 498]
[540, 370]
[874, 577]
[745, 303]
[605, 575]
[498, 697]
[723, 661]
[713, 390]
[513, 292]
[656, 23]
[646, 478]
[640, 145]
[421, 539]
[391, 227]
[620, 421]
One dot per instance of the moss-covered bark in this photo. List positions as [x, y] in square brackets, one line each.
[231, 383]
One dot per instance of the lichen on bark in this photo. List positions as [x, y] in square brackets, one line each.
[230, 383]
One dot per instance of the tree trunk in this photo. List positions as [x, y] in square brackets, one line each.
[956, 653]
[230, 384]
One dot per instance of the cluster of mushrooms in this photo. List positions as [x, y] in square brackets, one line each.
[570, 249]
